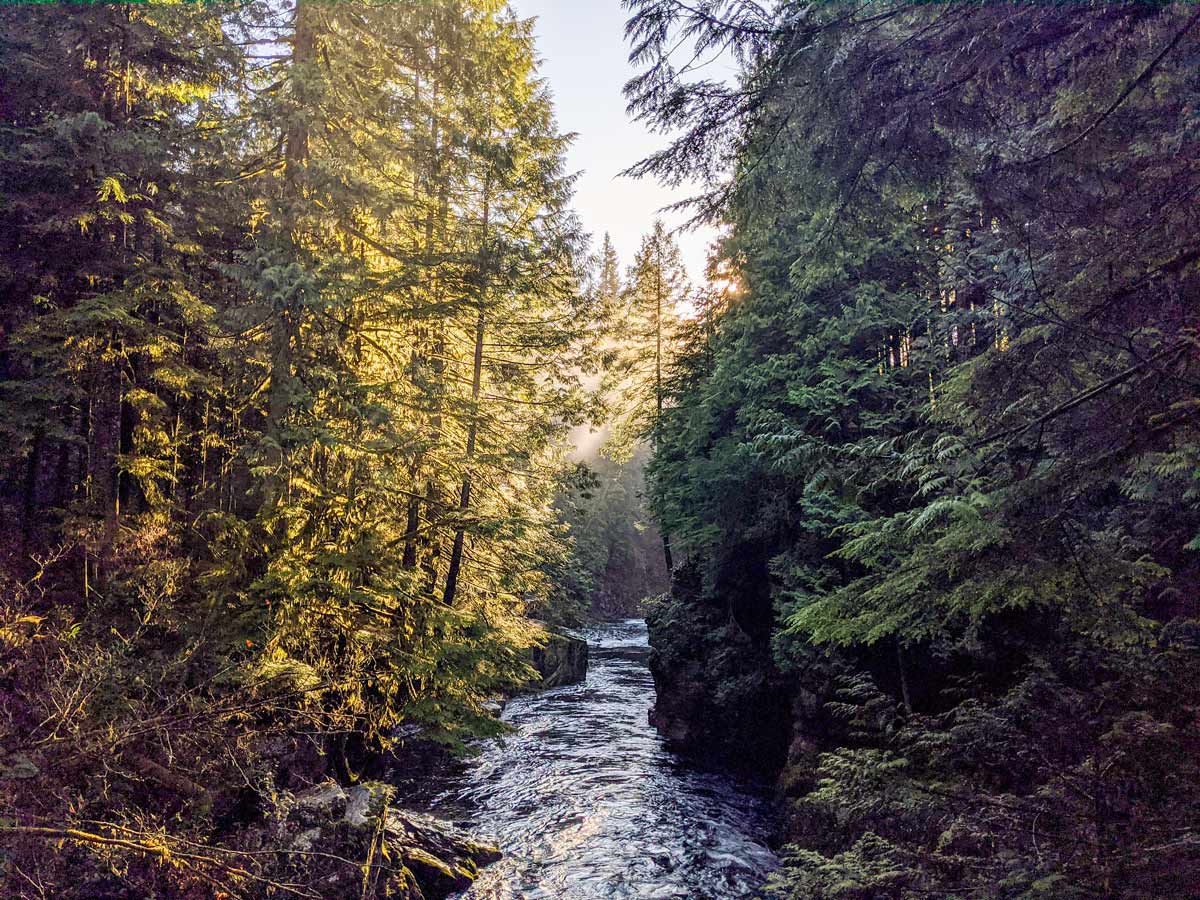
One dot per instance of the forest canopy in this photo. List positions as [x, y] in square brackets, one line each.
[934, 473]
[295, 324]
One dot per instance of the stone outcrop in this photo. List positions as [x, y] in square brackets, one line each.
[564, 660]
[351, 842]
[718, 693]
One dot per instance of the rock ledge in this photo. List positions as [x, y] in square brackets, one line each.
[351, 842]
[564, 660]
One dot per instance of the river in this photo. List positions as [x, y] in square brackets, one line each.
[587, 803]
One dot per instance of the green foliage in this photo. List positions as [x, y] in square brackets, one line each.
[950, 413]
[1019, 793]
[872, 867]
[646, 328]
[616, 550]
[290, 346]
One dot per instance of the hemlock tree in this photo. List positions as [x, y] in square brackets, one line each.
[286, 412]
[655, 288]
[944, 430]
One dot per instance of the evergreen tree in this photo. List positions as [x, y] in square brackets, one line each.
[923, 455]
[286, 413]
[656, 286]
[101, 338]
[608, 280]
[616, 561]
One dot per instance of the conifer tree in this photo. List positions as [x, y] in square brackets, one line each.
[101, 336]
[608, 279]
[655, 288]
[316, 310]
[920, 463]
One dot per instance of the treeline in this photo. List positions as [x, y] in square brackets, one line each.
[619, 558]
[934, 472]
[291, 334]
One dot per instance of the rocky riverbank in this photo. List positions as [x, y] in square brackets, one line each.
[355, 842]
[717, 692]
[330, 834]
[562, 661]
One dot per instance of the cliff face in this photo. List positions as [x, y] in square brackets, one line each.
[719, 694]
[563, 660]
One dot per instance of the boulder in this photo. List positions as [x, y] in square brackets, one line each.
[444, 858]
[718, 695]
[351, 842]
[317, 805]
[19, 767]
[563, 660]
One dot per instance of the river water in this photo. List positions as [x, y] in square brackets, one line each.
[587, 803]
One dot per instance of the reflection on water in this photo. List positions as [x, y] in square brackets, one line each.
[586, 802]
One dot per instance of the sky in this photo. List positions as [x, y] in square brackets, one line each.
[582, 45]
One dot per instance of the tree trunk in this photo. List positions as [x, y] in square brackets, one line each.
[104, 464]
[904, 691]
[285, 323]
[464, 502]
[437, 197]
[659, 291]
[412, 528]
[33, 471]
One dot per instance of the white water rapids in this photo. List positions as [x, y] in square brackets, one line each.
[588, 804]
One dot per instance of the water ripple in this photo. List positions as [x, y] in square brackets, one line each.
[587, 803]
